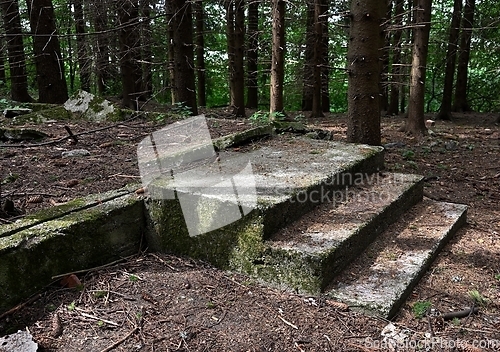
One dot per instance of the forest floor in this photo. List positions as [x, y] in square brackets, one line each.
[156, 302]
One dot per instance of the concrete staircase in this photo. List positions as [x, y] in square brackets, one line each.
[312, 216]
[327, 220]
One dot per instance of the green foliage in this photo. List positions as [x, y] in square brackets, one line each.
[262, 117]
[478, 298]
[72, 306]
[408, 154]
[10, 178]
[420, 308]
[181, 109]
[133, 278]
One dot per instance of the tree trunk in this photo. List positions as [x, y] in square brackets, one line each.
[82, 50]
[451, 58]
[3, 76]
[461, 103]
[99, 10]
[385, 39]
[52, 87]
[318, 60]
[308, 71]
[147, 53]
[415, 123]
[396, 81]
[130, 52]
[277, 56]
[235, 48]
[199, 13]
[180, 30]
[253, 55]
[363, 67]
[15, 50]
[325, 71]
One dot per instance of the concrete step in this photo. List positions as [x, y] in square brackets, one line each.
[222, 209]
[383, 276]
[307, 254]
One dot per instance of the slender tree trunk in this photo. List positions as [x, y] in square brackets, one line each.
[130, 54]
[82, 49]
[277, 56]
[180, 30]
[147, 53]
[253, 55]
[451, 58]
[396, 81]
[461, 103]
[52, 87]
[325, 71]
[235, 46]
[200, 51]
[363, 65]
[15, 50]
[415, 123]
[308, 71]
[318, 60]
[3, 57]
[99, 11]
[385, 38]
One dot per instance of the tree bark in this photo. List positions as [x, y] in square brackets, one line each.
[253, 55]
[147, 53]
[308, 71]
[180, 31]
[325, 71]
[461, 103]
[15, 51]
[318, 60]
[396, 81]
[415, 123]
[99, 10]
[451, 58]
[52, 86]
[277, 56]
[363, 68]
[200, 51]
[130, 53]
[84, 62]
[235, 47]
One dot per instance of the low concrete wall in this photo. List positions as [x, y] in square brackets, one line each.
[87, 236]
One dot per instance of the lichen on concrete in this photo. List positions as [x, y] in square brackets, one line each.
[84, 239]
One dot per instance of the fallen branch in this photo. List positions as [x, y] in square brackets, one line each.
[460, 314]
[21, 305]
[72, 136]
[119, 342]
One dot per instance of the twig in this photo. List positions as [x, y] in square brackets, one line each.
[125, 176]
[288, 323]
[71, 135]
[119, 342]
[90, 316]
[21, 305]
[93, 269]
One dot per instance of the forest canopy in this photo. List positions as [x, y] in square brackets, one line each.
[222, 52]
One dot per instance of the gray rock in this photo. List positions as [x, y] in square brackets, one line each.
[75, 153]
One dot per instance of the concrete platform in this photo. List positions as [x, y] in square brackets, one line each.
[221, 211]
[383, 276]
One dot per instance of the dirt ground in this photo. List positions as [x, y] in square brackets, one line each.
[153, 302]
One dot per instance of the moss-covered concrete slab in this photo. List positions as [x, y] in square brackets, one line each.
[306, 255]
[382, 278]
[73, 206]
[214, 198]
[83, 239]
